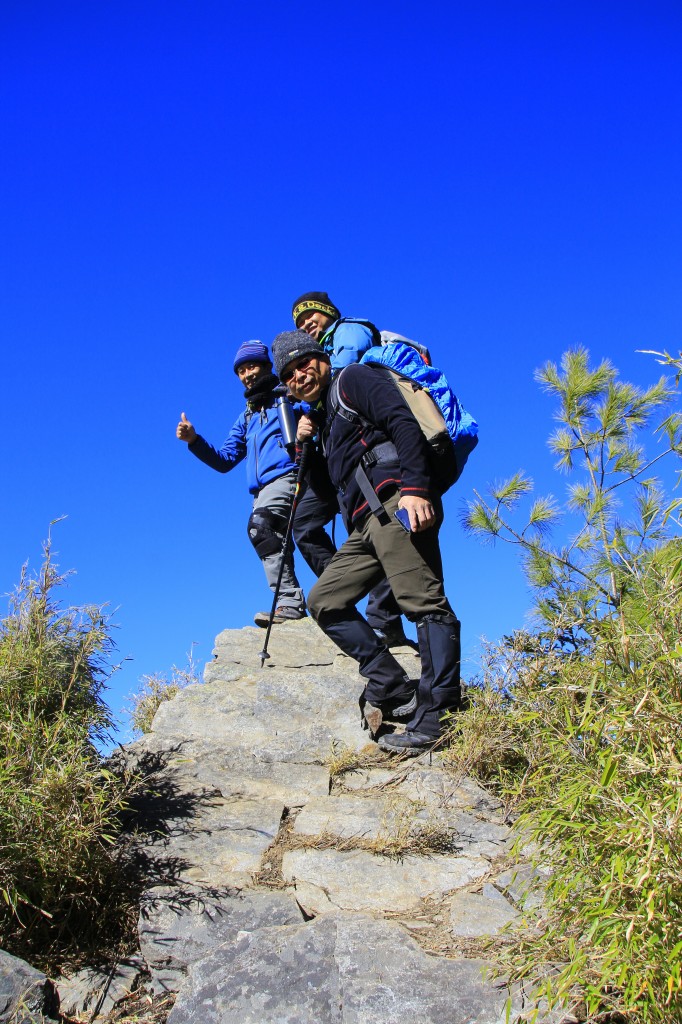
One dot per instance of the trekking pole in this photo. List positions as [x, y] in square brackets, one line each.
[285, 547]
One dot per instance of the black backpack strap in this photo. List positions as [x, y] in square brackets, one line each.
[370, 495]
[336, 407]
[384, 452]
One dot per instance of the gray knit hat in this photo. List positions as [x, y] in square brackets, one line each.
[290, 345]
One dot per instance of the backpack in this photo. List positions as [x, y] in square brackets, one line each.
[450, 431]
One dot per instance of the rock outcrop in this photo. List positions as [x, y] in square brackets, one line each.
[27, 996]
[296, 873]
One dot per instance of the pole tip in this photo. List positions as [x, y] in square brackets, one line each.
[263, 655]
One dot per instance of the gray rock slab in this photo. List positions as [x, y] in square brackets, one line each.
[523, 884]
[219, 697]
[473, 915]
[178, 926]
[432, 786]
[361, 780]
[438, 789]
[492, 893]
[241, 774]
[355, 880]
[477, 836]
[271, 716]
[292, 645]
[95, 993]
[335, 970]
[351, 817]
[27, 996]
[278, 975]
[295, 645]
[379, 814]
[229, 770]
[219, 843]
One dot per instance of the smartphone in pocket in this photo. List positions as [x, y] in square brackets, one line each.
[403, 517]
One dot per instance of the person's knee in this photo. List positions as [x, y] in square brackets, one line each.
[316, 602]
[323, 605]
[265, 532]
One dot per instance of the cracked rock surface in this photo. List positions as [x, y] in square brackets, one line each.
[298, 874]
[348, 969]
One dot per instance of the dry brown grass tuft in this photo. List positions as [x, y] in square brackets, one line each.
[343, 759]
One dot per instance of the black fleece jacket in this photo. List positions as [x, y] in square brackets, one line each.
[384, 417]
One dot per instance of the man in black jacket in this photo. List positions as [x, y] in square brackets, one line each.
[363, 413]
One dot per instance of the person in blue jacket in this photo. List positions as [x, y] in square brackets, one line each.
[345, 341]
[270, 470]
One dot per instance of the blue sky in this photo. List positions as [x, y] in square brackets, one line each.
[499, 181]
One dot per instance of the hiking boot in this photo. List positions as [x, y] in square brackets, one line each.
[394, 636]
[281, 615]
[397, 709]
[410, 744]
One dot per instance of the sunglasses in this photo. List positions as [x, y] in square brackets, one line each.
[301, 364]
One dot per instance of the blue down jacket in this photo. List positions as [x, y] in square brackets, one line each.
[346, 341]
[256, 437]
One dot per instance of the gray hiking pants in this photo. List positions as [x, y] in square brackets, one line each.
[267, 530]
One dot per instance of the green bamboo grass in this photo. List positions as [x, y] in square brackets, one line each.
[578, 719]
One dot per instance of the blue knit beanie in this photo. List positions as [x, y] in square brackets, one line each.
[251, 352]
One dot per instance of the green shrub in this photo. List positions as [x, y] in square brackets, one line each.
[579, 720]
[59, 805]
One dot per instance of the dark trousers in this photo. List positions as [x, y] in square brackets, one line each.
[412, 563]
[312, 515]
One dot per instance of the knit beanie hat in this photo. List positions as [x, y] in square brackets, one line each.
[315, 300]
[291, 345]
[251, 352]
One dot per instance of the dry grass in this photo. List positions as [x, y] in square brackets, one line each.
[155, 689]
[343, 759]
[400, 835]
[139, 1008]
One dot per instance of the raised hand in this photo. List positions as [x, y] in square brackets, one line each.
[306, 429]
[185, 431]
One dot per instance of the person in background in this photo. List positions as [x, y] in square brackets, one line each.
[271, 473]
[345, 341]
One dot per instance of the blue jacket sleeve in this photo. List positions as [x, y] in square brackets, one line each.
[232, 452]
[350, 341]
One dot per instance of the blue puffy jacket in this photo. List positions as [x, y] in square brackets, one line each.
[346, 341]
[256, 437]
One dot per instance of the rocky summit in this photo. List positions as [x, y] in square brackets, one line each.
[298, 875]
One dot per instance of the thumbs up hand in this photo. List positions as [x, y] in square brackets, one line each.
[185, 431]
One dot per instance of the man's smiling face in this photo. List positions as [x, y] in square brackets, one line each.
[249, 373]
[314, 322]
[307, 377]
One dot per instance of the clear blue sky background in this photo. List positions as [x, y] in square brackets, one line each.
[501, 181]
